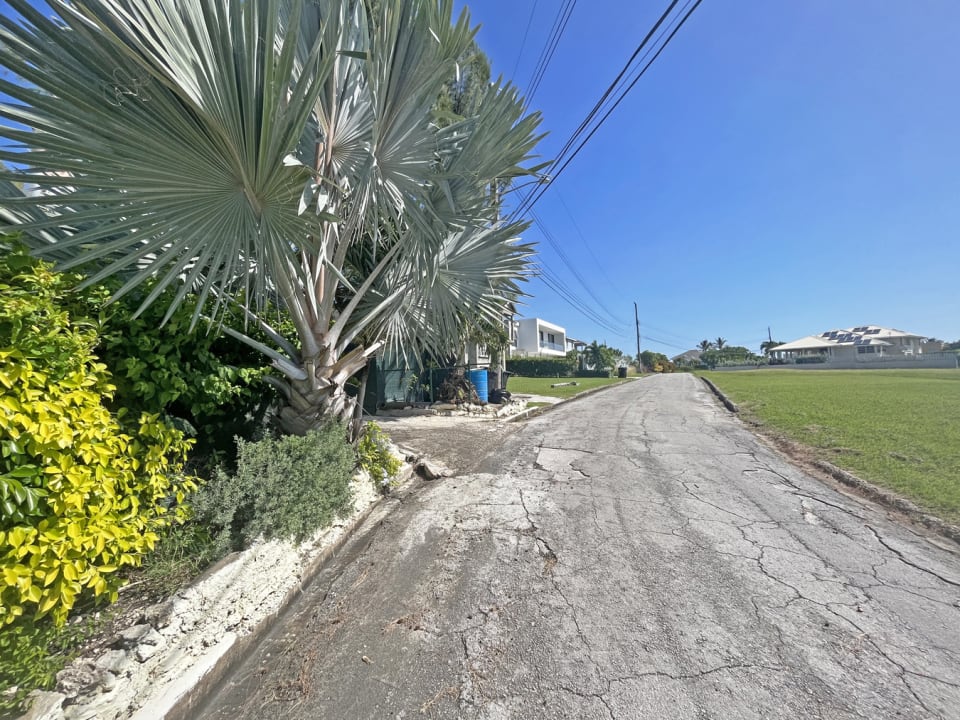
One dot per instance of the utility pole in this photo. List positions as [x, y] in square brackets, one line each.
[636, 318]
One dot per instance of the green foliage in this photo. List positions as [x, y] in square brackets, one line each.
[376, 458]
[195, 374]
[604, 373]
[31, 655]
[811, 360]
[728, 355]
[182, 552]
[656, 362]
[542, 367]
[283, 488]
[81, 495]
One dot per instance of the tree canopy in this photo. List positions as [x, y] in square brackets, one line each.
[282, 153]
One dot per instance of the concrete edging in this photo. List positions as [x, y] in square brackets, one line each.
[889, 499]
[727, 402]
[184, 707]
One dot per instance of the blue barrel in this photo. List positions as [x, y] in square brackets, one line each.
[479, 380]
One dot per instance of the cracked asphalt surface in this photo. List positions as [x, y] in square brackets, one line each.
[634, 554]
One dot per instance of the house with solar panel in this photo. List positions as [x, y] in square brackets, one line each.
[857, 345]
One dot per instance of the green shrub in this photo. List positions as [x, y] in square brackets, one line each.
[542, 367]
[283, 488]
[811, 359]
[376, 458]
[196, 374]
[81, 496]
[604, 373]
[31, 655]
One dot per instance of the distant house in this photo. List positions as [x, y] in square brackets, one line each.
[539, 337]
[690, 357]
[858, 344]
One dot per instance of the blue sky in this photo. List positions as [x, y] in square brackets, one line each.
[786, 164]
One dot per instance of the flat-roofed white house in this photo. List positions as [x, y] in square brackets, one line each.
[857, 344]
[536, 336]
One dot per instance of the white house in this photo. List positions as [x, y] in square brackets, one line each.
[861, 344]
[539, 337]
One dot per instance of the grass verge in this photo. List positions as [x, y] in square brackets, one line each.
[899, 429]
[541, 386]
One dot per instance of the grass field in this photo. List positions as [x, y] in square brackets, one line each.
[897, 428]
[541, 386]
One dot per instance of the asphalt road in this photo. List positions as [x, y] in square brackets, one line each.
[634, 554]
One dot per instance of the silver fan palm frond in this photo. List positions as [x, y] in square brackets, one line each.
[258, 149]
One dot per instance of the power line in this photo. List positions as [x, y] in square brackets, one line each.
[549, 279]
[610, 88]
[583, 238]
[565, 157]
[664, 342]
[566, 261]
[553, 40]
[523, 43]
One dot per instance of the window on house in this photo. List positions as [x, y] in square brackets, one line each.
[550, 338]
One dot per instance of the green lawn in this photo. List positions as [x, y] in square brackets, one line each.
[541, 386]
[896, 428]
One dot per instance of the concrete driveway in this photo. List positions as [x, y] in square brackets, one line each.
[635, 554]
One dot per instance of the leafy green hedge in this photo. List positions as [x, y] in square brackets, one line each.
[198, 375]
[605, 373]
[82, 494]
[542, 367]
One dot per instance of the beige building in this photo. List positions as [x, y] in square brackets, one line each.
[858, 344]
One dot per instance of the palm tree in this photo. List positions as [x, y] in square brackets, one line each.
[767, 345]
[705, 345]
[278, 152]
[720, 342]
[593, 354]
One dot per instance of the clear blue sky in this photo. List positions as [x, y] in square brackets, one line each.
[785, 164]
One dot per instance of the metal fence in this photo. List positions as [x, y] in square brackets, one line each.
[413, 385]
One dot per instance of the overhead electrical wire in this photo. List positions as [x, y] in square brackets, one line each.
[553, 40]
[583, 239]
[609, 101]
[551, 280]
[558, 248]
[566, 156]
[523, 43]
[664, 342]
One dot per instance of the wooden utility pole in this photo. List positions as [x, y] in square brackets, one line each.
[636, 317]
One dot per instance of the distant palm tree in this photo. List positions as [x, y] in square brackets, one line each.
[720, 342]
[767, 345]
[594, 355]
[705, 345]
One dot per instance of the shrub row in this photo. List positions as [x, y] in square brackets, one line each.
[542, 367]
